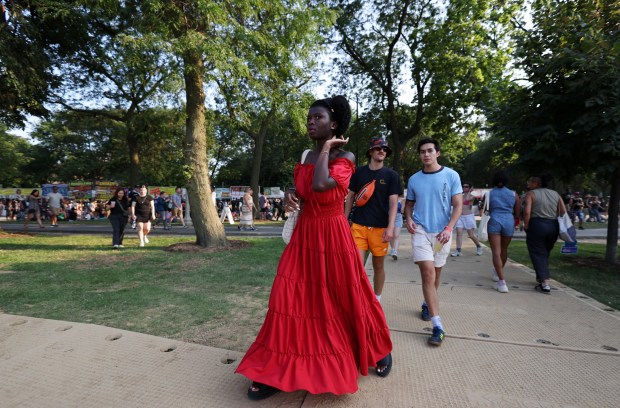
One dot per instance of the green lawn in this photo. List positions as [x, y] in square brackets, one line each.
[217, 299]
[585, 271]
[81, 279]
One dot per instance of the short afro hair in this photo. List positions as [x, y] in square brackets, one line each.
[339, 111]
[501, 179]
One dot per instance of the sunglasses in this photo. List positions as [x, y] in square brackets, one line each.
[377, 149]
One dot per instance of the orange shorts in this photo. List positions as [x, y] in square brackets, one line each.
[370, 238]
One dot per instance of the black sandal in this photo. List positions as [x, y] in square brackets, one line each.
[386, 363]
[543, 288]
[262, 391]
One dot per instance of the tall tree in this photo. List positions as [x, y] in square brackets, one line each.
[32, 34]
[15, 153]
[73, 146]
[279, 58]
[445, 52]
[199, 33]
[119, 71]
[570, 111]
[213, 39]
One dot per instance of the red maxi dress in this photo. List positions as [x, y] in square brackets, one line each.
[324, 324]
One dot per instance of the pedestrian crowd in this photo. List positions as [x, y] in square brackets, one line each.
[325, 324]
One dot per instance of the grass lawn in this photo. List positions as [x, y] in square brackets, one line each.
[216, 299]
[585, 271]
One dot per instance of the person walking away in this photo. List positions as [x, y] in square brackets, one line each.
[246, 221]
[55, 202]
[433, 206]
[177, 206]
[226, 213]
[542, 207]
[263, 205]
[578, 206]
[143, 212]
[373, 223]
[34, 208]
[118, 206]
[467, 221]
[504, 210]
[324, 324]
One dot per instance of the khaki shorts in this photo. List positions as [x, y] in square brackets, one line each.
[177, 212]
[423, 247]
[55, 210]
[370, 238]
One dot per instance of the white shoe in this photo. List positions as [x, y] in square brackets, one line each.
[501, 287]
[146, 240]
[479, 250]
[456, 253]
[495, 277]
[115, 246]
[141, 243]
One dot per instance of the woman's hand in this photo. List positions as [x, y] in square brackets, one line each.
[335, 142]
[291, 201]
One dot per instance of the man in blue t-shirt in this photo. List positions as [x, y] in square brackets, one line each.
[433, 206]
[373, 222]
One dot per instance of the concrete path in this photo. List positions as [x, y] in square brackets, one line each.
[521, 349]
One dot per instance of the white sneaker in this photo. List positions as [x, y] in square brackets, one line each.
[495, 277]
[456, 253]
[141, 243]
[146, 240]
[501, 287]
[479, 250]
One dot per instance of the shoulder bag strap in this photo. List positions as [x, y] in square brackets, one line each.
[487, 197]
[303, 155]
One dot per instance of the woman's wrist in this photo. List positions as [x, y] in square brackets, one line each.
[448, 228]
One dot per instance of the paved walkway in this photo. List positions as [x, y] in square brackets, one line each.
[521, 349]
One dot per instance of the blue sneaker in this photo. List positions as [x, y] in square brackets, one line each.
[437, 337]
[425, 314]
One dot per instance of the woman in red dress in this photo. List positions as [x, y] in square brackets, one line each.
[324, 324]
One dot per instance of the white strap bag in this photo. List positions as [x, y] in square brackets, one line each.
[483, 235]
[291, 221]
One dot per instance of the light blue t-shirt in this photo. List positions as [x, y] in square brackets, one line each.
[432, 193]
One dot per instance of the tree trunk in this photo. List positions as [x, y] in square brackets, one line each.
[209, 229]
[134, 156]
[611, 251]
[259, 141]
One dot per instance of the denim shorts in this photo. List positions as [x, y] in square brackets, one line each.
[502, 225]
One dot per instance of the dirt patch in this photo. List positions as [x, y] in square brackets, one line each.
[594, 263]
[233, 245]
[7, 235]
[236, 331]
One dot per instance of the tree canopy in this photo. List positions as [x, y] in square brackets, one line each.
[566, 120]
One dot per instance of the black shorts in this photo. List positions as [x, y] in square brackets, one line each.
[140, 218]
